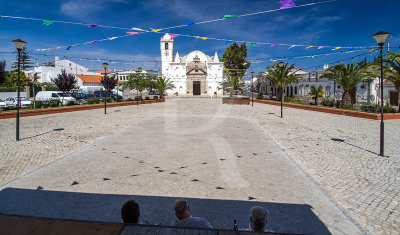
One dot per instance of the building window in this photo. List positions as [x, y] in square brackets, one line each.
[166, 46]
[295, 90]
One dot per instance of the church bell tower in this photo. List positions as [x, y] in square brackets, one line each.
[167, 52]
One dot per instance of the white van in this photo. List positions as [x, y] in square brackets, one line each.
[58, 95]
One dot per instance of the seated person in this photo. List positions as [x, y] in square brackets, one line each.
[182, 212]
[258, 220]
[130, 212]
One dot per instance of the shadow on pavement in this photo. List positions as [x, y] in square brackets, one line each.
[284, 218]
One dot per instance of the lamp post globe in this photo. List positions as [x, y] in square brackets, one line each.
[380, 38]
[19, 44]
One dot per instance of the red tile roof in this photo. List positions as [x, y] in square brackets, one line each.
[92, 78]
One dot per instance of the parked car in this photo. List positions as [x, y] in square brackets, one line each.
[154, 92]
[2, 104]
[102, 94]
[12, 102]
[79, 97]
[48, 95]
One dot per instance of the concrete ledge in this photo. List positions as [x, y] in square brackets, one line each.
[373, 116]
[26, 113]
[233, 100]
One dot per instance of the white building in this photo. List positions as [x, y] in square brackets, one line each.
[367, 88]
[193, 74]
[47, 73]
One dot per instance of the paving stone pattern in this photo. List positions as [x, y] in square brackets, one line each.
[338, 152]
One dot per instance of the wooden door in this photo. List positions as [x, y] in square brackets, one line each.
[196, 88]
[394, 98]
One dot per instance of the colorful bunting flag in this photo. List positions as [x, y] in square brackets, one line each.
[228, 16]
[273, 45]
[292, 46]
[371, 50]
[58, 47]
[252, 44]
[132, 33]
[80, 44]
[287, 4]
[137, 29]
[309, 47]
[156, 30]
[93, 42]
[47, 22]
[95, 25]
[188, 22]
[69, 47]
[173, 35]
[321, 47]
[204, 38]
[112, 38]
[337, 48]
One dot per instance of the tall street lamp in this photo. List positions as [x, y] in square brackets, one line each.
[252, 76]
[105, 64]
[281, 65]
[380, 38]
[19, 44]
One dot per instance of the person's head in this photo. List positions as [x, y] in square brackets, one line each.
[258, 218]
[182, 210]
[130, 212]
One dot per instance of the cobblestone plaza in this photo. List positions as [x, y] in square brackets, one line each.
[336, 153]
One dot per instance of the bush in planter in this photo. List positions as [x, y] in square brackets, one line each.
[138, 98]
[53, 103]
[93, 101]
[146, 98]
[155, 97]
[109, 100]
[375, 108]
[129, 99]
[328, 102]
[259, 96]
[71, 103]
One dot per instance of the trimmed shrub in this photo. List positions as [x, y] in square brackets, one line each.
[8, 89]
[328, 102]
[93, 101]
[146, 98]
[138, 98]
[109, 100]
[53, 103]
[376, 108]
[259, 96]
[129, 99]
[70, 103]
[155, 97]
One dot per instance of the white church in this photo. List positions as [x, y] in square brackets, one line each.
[193, 74]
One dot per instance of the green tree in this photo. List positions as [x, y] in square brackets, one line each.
[316, 93]
[281, 77]
[347, 76]
[162, 84]
[137, 81]
[12, 77]
[393, 74]
[232, 84]
[235, 65]
[2, 71]
[25, 61]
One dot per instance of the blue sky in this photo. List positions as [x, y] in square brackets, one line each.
[340, 23]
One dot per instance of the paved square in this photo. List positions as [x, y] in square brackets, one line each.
[137, 150]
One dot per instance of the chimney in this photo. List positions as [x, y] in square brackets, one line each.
[326, 66]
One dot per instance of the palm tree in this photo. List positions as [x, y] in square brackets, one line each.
[232, 83]
[162, 84]
[316, 93]
[347, 76]
[392, 73]
[281, 77]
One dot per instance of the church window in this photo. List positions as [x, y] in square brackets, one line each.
[166, 46]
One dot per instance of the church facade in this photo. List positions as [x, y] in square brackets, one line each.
[193, 74]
